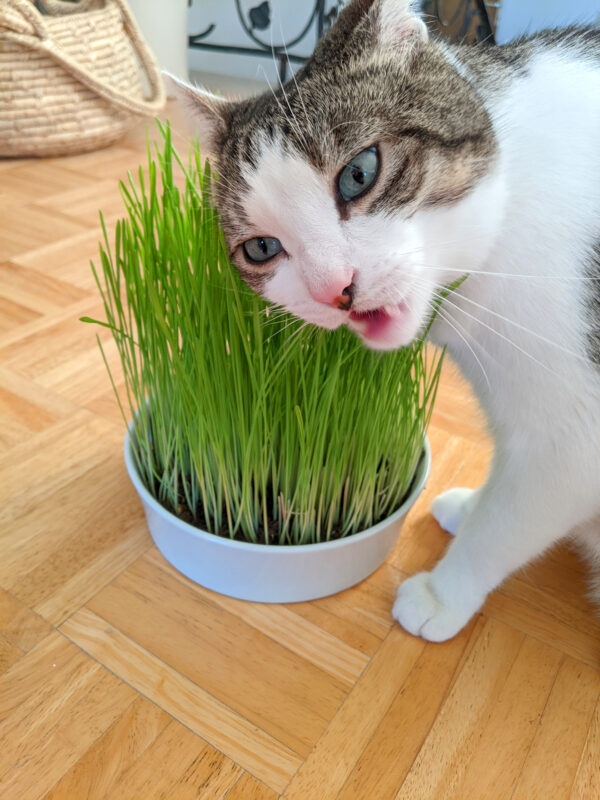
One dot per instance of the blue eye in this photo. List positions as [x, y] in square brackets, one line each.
[261, 249]
[358, 176]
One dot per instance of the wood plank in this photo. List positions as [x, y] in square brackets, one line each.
[13, 315]
[111, 162]
[96, 774]
[25, 227]
[587, 779]
[84, 377]
[248, 788]
[34, 349]
[9, 654]
[209, 776]
[553, 759]
[56, 565]
[19, 418]
[325, 770]
[82, 202]
[19, 625]
[218, 652]
[31, 180]
[90, 567]
[366, 606]
[35, 289]
[183, 758]
[68, 259]
[30, 404]
[347, 628]
[386, 760]
[494, 767]
[575, 634]
[448, 748]
[50, 717]
[232, 734]
[561, 573]
[34, 471]
[282, 625]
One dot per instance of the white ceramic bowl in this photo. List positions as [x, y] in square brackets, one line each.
[272, 573]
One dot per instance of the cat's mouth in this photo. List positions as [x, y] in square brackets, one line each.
[375, 324]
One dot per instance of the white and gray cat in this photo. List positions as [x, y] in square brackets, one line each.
[389, 167]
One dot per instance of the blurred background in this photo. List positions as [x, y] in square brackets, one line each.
[243, 44]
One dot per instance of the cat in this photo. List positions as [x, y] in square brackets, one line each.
[392, 165]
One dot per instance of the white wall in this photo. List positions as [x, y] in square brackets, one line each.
[518, 17]
[288, 18]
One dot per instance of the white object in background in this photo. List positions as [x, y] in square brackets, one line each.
[272, 573]
[523, 17]
[164, 24]
[287, 20]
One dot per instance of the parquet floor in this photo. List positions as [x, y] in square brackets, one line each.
[122, 679]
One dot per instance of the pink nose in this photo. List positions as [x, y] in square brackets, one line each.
[331, 292]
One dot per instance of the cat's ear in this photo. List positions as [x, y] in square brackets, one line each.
[367, 27]
[399, 23]
[205, 112]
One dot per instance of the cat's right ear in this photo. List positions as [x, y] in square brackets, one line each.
[205, 112]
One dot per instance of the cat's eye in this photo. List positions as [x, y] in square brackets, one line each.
[358, 176]
[261, 249]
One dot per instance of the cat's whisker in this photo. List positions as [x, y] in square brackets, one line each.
[523, 328]
[527, 276]
[508, 340]
[453, 323]
[273, 310]
[293, 321]
[456, 325]
[293, 124]
[276, 320]
[302, 327]
[285, 96]
[292, 70]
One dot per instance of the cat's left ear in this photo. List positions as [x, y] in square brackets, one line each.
[399, 24]
[205, 112]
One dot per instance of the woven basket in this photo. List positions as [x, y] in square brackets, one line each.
[70, 79]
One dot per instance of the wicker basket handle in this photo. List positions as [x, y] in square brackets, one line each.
[40, 39]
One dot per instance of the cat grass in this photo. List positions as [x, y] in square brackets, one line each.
[245, 421]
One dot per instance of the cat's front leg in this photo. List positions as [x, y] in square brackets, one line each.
[514, 518]
[451, 508]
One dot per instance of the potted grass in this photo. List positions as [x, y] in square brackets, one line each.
[275, 461]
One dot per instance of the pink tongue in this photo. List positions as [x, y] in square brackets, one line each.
[376, 320]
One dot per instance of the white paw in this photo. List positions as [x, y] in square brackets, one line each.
[420, 612]
[451, 508]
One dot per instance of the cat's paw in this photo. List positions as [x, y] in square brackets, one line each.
[452, 507]
[419, 611]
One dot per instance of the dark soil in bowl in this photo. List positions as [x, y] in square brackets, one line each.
[271, 536]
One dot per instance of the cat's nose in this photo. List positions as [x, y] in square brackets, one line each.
[337, 292]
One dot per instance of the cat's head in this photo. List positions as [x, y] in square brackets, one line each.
[350, 195]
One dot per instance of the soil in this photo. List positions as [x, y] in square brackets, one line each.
[184, 513]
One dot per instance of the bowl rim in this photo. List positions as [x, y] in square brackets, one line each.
[418, 482]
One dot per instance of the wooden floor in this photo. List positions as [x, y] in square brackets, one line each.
[119, 678]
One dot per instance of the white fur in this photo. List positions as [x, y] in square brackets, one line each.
[451, 508]
[541, 395]
[520, 340]
[397, 21]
